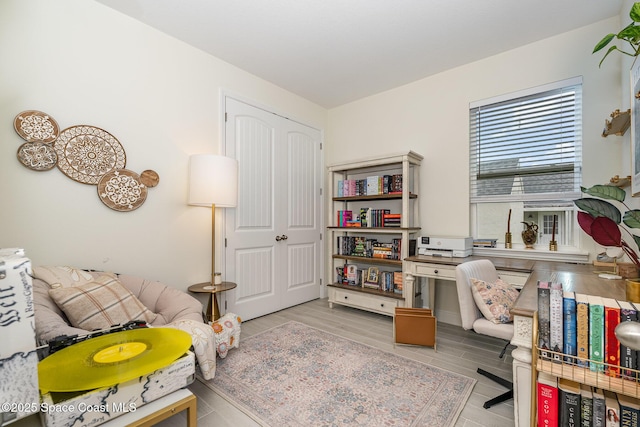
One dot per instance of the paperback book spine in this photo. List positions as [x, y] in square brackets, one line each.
[556, 321]
[596, 334]
[548, 400]
[544, 334]
[611, 343]
[569, 338]
[628, 356]
[582, 330]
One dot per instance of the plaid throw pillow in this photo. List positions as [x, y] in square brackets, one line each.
[100, 304]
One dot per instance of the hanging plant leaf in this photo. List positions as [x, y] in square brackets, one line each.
[635, 12]
[585, 220]
[606, 232]
[632, 218]
[605, 192]
[597, 208]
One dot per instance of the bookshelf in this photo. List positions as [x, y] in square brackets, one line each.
[542, 361]
[374, 217]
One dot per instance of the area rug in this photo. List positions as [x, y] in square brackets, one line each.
[297, 375]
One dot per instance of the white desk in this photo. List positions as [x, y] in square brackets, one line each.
[574, 277]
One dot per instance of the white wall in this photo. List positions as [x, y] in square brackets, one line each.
[84, 63]
[430, 117]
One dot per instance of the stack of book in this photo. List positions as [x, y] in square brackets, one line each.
[562, 402]
[351, 274]
[485, 243]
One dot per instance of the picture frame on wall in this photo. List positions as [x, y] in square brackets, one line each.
[635, 128]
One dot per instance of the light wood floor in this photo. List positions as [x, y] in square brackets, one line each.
[457, 350]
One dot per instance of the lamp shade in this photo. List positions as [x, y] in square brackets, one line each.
[213, 180]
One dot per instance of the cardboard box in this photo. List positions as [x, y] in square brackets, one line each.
[415, 326]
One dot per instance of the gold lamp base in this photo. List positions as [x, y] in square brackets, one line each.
[553, 245]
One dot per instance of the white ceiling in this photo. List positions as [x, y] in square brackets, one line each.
[336, 51]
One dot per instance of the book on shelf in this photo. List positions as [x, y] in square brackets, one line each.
[569, 338]
[628, 356]
[556, 321]
[569, 402]
[629, 411]
[599, 408]
[612, 409]
[596, 333]
[582, 330]
[547, 400]
[343, 216]
[586, 405]
[611, 343]
[544, 327]
[373, 185]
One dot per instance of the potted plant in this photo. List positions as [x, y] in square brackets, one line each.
[603, 221]
[630, 34]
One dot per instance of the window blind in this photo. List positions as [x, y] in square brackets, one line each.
[527, 147]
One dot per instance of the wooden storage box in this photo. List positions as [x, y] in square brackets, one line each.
[415, 326]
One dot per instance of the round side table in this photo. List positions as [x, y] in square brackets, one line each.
[213, 312]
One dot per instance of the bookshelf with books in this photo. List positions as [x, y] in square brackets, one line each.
[374, 221]
[608, 365]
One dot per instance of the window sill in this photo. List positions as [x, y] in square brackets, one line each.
[568, 254]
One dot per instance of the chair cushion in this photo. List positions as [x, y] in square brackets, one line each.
[100, 304]
[494, 299]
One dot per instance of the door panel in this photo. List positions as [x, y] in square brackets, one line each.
[273, 236]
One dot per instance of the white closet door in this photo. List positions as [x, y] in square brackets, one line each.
[273, 247]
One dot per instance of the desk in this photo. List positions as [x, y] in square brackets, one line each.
[574, 277]
[213, 312]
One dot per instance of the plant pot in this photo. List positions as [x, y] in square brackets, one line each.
[632, 290]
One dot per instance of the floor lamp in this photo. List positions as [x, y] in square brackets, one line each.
[213, 182]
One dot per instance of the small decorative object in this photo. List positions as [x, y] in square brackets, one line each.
[121, 190]
[632, 290]
[37, 156]
[507, 236]
[149, 178]
[86, 153]
[530, 234]
[217, 278]
[553, 245]
[36, 126]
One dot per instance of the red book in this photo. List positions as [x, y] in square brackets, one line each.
[548, 400]
[611, 343]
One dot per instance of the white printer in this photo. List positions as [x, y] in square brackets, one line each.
[458, 247]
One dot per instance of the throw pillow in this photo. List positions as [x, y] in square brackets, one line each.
[64, 276]
[494, 299]
[100, 304]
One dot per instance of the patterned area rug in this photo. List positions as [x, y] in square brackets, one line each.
[296, 375]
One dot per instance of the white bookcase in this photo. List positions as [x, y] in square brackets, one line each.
[404, 202]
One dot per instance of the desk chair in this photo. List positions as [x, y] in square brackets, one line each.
[472, 317]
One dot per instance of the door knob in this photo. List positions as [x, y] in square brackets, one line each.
[278, 238]
[283, 237]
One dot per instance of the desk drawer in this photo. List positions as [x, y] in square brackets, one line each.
[436, 271]
[357, 299]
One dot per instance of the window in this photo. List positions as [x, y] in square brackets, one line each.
[526, 156]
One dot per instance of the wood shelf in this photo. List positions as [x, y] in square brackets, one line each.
[394, 196]
[369, 260]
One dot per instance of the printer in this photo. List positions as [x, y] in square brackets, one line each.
[458, 247]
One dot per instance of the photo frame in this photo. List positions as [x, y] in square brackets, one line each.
[372, 275]
[635, 128]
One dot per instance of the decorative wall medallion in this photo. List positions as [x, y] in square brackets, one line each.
[121, 190]
[35, 125]
[149, 178]
[37, 156]
[86, 153]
